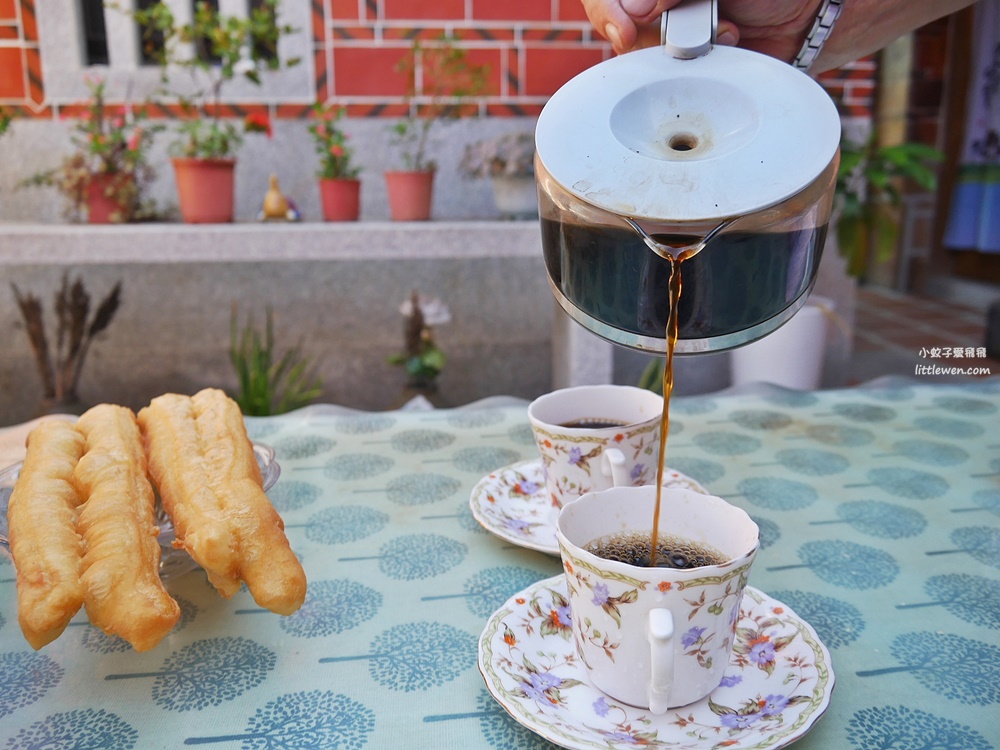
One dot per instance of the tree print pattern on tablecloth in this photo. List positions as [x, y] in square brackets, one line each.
[959, 429]
[760, 419]
[421, 489]
[331, 607]
[949, 665]
[499, 729]
[415, 556]
[290, 494]
[810, 462]
[879, 519]
[981, 543]
[700, 469]
[490, 588]
[364, 424]
[24, 678]
[775, 493]
[789, 398]
[314, 719]
[982, 500]
[965, 405]
[482, 460]
[297, 447]
[88, 729]
[475, 419]
[343, 524]
[972, 598]
[930, 453]
[770, 532]
[416, 656]
[421, 441]
[857, 411]
[354, 466]
[720, 443]
[901, 728]
[840, 435]
[909, 484]
[521, 434]
[207, 673]
[847, 564]
[837, 623]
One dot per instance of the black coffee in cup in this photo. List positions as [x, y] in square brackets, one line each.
[632, 548]
[593, 423]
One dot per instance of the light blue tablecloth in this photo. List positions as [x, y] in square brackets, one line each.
[878, 510]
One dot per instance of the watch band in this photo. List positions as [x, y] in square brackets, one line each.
[829, 11]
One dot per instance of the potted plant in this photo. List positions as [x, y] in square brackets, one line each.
[421, 357]
[869, 194]
[509, 161]
[105, 175]
[449, 79]
[225, 48]
[269, 384]
[339, 186]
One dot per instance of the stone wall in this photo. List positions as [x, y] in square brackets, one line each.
[334, 288]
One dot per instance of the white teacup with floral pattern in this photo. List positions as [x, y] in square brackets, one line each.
[655, 638]
[582, 457]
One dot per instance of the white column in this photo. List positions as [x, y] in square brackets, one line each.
[579, 357]
[123, 36]
[183, 13]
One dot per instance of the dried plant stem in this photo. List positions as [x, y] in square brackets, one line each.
[60, 373]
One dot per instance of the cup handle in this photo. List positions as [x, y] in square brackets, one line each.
[661, 652]
[613, 465]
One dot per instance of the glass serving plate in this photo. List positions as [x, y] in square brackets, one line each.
[173, 562]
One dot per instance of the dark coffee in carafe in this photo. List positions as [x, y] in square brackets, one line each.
[739, 280]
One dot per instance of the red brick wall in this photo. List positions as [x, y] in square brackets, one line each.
[531, 46]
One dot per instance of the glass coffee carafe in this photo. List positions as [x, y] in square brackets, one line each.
[722, 154]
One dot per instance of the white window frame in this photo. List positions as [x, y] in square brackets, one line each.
[65, 70]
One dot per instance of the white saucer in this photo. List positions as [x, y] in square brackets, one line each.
[512, 504]
[528, 659]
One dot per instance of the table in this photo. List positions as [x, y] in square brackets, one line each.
[899, 481]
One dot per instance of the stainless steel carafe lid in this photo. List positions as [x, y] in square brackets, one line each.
[688, 130]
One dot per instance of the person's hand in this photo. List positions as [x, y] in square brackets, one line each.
[772, 27]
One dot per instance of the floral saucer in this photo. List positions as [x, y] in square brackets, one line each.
[512, 504]
[778, 683]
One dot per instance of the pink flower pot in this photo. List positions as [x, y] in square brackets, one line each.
[205, 189]
[410, 195]
[340, 199]
[107, 201]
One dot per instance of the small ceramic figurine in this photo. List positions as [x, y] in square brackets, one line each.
[276, 206]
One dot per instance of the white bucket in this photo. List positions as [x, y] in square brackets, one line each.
[791, 356]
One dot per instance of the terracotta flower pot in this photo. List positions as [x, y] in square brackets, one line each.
[108, 197]
[340, 199]
[410, 195]
[205, 189]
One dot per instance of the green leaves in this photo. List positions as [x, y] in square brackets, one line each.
[870, 184]
[267, 384]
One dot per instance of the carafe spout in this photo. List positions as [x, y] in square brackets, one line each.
[677, 251]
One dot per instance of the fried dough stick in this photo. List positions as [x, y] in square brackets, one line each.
[123, 592]
[270, 569]
[44, 543]
[177, 467]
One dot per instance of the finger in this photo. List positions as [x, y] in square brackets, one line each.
[611, 21]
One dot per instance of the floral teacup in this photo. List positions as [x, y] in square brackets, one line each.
[594, 437]
[655, 637]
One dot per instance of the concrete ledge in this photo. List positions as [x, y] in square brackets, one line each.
[335, 288]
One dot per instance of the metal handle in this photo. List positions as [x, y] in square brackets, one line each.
[688, 30]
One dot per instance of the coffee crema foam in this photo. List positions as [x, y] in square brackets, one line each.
[632, 548]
